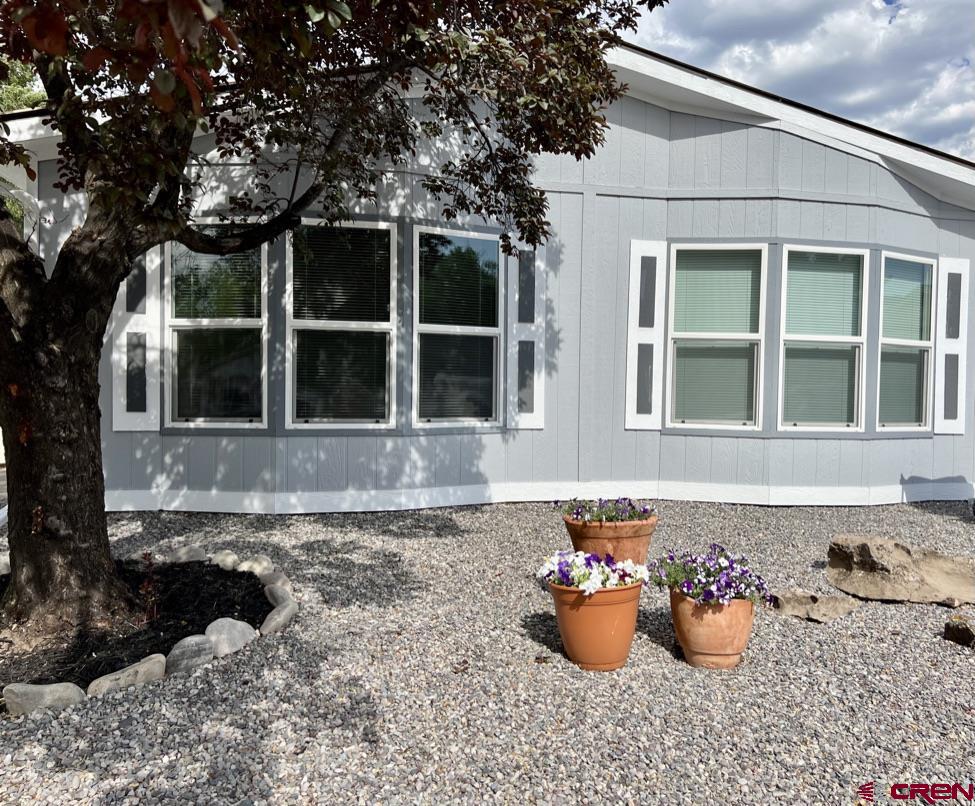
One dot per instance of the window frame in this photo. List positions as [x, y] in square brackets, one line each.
[172, 324]
[673, 336]
[929, 346]
[859, 342]
[292, 324]
[458, 330]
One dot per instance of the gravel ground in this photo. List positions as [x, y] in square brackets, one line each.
[411, 675]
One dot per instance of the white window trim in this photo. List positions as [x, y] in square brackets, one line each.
[293, 324]
[123, 323]
[759, 337]
[171, 324]
[497, 332]
[636, 335]
[928, 345]
[860, 341]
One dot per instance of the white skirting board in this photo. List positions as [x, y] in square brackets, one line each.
[383, 500]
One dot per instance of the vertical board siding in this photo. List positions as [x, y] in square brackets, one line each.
[754, 183]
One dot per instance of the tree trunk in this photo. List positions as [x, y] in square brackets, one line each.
[63, 576]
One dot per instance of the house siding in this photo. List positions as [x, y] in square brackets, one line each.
[660, 176]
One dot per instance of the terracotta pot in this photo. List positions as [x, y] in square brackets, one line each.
[597, 630]
[625, 540]
[713, 636]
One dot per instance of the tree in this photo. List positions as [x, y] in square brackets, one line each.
[321, 99]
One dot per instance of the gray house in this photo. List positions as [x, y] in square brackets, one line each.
[744, 300]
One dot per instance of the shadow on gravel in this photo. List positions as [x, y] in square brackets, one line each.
[543, 629]
[657, 625]
[345, 573]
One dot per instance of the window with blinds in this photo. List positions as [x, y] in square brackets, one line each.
[341, 325]
[458, 323]
[905, 343]
[823, 338]
[716, 336]
[216, 339]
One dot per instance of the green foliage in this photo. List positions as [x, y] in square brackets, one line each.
[21, 89]
[345, 90]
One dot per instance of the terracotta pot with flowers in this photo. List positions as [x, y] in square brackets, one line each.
[621, 528]
[712, 602]
[596, 603]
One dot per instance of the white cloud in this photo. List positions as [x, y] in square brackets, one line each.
[905, 67]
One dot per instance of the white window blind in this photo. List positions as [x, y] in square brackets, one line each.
[341, 319]
[904, 388]
[950, 409]
[526, 339]
[716, 336]
[645, 335]
[824, 339]
[457, 319]
[135, 334]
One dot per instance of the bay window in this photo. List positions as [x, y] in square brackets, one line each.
[716, 334]
[905, 343]
[823, 341]
[457, 319]
[341, 325]
[216, 337]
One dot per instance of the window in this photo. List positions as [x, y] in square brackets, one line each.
[716, 332]
[341, 325]
[905, 343]
[457, 313]
[216, 337]
[823, 338]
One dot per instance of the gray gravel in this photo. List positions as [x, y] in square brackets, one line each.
[412, 674]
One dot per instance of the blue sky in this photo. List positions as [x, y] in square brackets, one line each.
[903, 66]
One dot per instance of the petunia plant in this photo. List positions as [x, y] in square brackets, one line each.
[712, 578]
[605, 509]
[590, 572]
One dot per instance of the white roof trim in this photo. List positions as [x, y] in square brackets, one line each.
[686, 90]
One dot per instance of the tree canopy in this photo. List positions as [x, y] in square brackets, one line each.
[320, 101]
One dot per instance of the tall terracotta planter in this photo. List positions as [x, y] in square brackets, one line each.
[713, 636]
[597, 630]
[624, 540]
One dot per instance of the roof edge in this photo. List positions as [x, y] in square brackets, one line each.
[771, 96]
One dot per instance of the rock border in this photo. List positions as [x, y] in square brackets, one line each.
[222, 637]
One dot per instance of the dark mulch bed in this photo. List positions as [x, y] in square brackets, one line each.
[189, 596]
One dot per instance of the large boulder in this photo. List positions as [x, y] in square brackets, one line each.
[226, 559]
[146, 670]
[885, 570]
[813, 606]
[961, 630]
[259, 564]
[22, 698]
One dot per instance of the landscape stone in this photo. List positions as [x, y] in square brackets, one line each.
[278, 595]
[960, 629]
[188, 554]
[188, 654]
[276, 578]
[258, 564]
[280, 617]
[226, 559]
[229, 635]
[5, 563]
[22, 698]
[146, 670]
[812, 606]
[878, 568]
